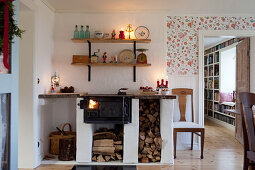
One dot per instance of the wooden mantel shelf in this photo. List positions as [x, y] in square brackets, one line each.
[92, 40]
[113, 64]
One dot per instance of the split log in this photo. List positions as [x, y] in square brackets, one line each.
[158, 141]
[153, 147]
[118, 148]
[107, 158]
[142, 135]
[100, 159]
[140, 155]
[103, 142]
[149, 140]
[94, 158]
[104, 150]
[103, 135]
[153, 160]
[113, 157]
[155, 114]
[151, 118]
[151, 134]
[149, 156]
[117, 142]
[119, 156]
[145, 160]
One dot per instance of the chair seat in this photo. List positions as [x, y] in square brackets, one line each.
[186, 125]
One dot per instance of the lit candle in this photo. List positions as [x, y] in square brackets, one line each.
[162, 82]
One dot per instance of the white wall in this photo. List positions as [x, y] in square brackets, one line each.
[44, 46]
[26, 75]
[108, 79]
[38, 67]
[184, 139]
[228, 70]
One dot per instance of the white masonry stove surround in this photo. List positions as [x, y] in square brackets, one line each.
[131, 135]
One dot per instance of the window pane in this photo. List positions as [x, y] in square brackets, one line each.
[4, 131]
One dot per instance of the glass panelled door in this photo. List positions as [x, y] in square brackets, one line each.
[9, 80]
[4, 131]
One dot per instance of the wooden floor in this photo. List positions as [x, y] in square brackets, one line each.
[222, 152]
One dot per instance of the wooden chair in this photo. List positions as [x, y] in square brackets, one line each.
[247, 100]
[183, 125]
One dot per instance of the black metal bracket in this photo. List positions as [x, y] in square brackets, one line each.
[89, 67]
[134, 68]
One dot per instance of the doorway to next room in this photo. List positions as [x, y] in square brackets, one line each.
[222, 77]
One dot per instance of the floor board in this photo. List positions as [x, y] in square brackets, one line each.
[222, 152]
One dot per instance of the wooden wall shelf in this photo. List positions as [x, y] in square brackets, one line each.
[119, 41]
[113, 64]
[92, 40]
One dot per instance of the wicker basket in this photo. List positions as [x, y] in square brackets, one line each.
[56, 136]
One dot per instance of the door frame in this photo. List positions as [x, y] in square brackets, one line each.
[10, 84]
[201, 35]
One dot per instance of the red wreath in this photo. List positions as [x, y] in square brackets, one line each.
[6, 33]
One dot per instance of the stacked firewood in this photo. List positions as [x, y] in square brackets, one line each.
[107, 145]
[150, 142]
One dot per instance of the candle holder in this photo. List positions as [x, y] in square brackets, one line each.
[162, 84]
[129, 30]
[162, 87]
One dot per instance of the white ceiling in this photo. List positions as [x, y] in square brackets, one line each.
[210, 41]
[172, 6]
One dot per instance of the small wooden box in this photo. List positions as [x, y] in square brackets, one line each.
[80, 59]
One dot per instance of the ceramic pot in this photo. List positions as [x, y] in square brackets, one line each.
[165, 92]
[99, 34]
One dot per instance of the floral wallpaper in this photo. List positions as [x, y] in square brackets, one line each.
[182, 39]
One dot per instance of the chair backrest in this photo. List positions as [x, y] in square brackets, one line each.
[182, 94]
[247, 100]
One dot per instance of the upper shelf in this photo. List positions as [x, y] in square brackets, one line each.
[92, 40]
[114, 64]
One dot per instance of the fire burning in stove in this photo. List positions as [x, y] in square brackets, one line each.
[93, 104]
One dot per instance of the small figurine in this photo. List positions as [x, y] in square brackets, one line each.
[104, 57]
[113, 59]
[113, 34]
[52, 88]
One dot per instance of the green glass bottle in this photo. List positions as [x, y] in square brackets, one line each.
[82, 33]
[87, 33]
[76, 32]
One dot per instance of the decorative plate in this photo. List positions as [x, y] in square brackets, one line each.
[142, 32]
[127, 56]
